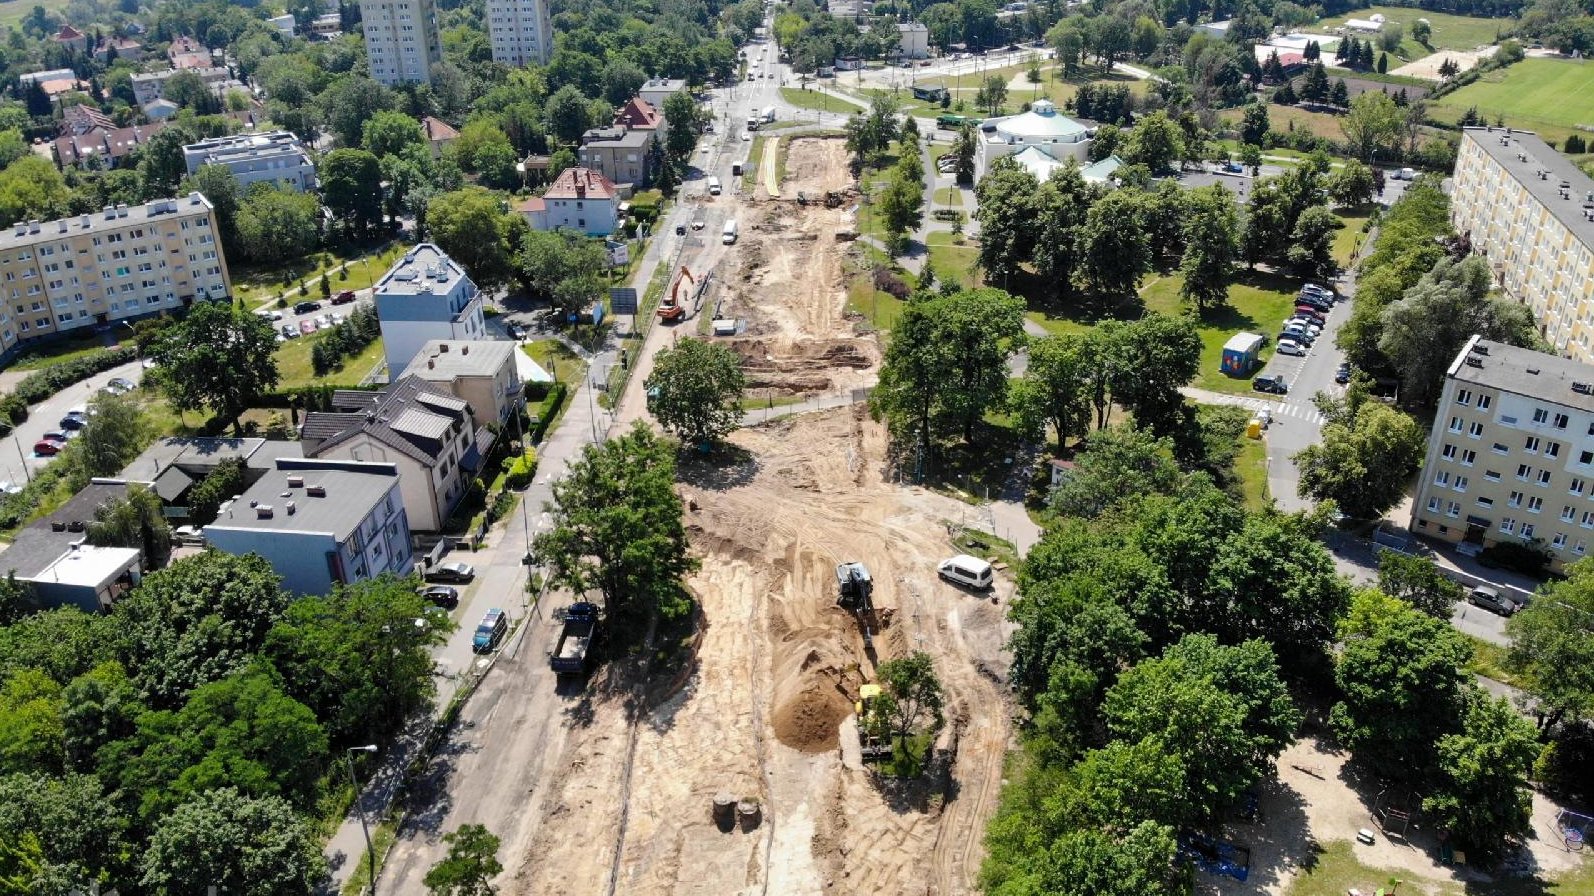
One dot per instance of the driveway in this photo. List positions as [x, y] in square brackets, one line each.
[17, 460]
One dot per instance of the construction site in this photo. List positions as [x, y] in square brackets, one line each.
[747, 773]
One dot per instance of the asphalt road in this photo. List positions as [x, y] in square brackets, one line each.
[17, 460]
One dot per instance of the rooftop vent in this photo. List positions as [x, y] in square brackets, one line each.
[1481, 349]
[316, 491]
[442, 347]
[33, 226]
[62, 224]
[295, 481]
[263, 512]
[1582, 388]
[121, 209]
[110, 212]
[84, 221]
[22, 228]
[291, 507]
[1474, 362]
[464, 349]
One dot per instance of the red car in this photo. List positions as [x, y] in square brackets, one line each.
[47, 447]
[307, 327]
[344, 297]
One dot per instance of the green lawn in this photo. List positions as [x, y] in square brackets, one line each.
[557, 358]
[952, 261]
[1550, 96]
[1319, 124]
[256, 285]
[1333, 870]
[1258, 302]
[949, 197]
[1449, 32]
[1251, 468]
[58, 353]
[293, 362]
[12, 12]
[817, 101]
[881, 308]
[1348, 238]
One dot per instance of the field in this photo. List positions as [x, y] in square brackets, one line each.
[817, 101]
[1257, 304]
[12, 12]
[1550, 96]
[293, 362]
[256, 285]
[1450, 32]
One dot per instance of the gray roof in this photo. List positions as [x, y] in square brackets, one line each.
[1508, 147]
[199, 454]
[618, 135]
[441, 360]
[104, 220]
[1541, 377]
[424, 270]
[411, 416]
[41, 543]
[352, 489]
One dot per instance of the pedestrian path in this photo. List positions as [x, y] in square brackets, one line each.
[1278, 409]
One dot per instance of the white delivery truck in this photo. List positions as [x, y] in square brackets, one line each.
[713, 186]
[729, 235]
[769, 114]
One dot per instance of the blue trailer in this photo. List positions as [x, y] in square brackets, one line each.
[1241, 354]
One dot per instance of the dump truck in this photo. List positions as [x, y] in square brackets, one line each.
[569, 654]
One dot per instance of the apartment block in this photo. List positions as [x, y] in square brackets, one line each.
[117, 264]
[401, 40]
[425, 296]
[521, 31]
[1511, 456]
[1530, 211]
[276, 158]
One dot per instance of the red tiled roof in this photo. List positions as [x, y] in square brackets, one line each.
[69, 33]
[110, 144]
[581, 183]
[437, 129]
[637, 113]
[530, 204]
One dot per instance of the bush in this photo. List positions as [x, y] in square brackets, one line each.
[1528, 558]
[548, 410]
[1562, 767]
[522, 470]
[42, 384]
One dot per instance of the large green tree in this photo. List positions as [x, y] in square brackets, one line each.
[1155, 142]
[1211, 238]
[617, 526]
[1418, 581]
[220, 357]
[471, 227]
[1052, 393]
[695, 390]
[351, 187]
[1060, 206]
[1005, 210]
[117, 436]
[1114, 252]
[1480, 790]
[912, 699]
[252, 846]
[1373, 126]
[1366, 456]
[470, 865]
[276, 225]
[1552, 648]
[389, 133]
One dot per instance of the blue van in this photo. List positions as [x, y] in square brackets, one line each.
[491, 631]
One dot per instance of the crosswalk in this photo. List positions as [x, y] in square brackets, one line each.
[1302, 410]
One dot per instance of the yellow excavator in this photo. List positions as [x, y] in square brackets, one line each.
[670, 309]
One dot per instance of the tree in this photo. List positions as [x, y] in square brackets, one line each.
[964, 150]
[276, 225]
[32, 739]
[109, 445]
[1254, 124]
[1314, 87]
[1480, 789]
[224, 481]
[680, 110]
[1418, 581]
[219, 356]
[1366, 455]
[1352, 185]
[695, 390]
[1066, 39]
[991, 95]
[1052, 392]
[566, 110]
[1211, 238]
[1421, 31]
[551, 258]
[1423, 331]
[1273, 580]
[1005, 208]
[196, 621]
[1113, 257]
[1402, 684]
[469, 225]
[218, 185]
[912, 697]
[348, 103]
[470, 865]
[30, 187]
[1118, 463]
[135, 521]
[390, 133]
[1373, 125]
[80, 832]
[351, 186]
[238, 844]
[1152, 359]
[1251, 157]
[617, 526]
[901, 204]
[1311, 243]
[1155, 142]
[1552, 647]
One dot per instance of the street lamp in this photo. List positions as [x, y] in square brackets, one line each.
[370, 852]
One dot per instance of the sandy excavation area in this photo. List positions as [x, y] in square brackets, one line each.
[761, 716]
[786, 278]
[1427, 68]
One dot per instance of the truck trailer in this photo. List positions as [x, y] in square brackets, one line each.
[575, 641]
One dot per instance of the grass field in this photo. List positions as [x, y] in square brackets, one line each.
[953, 261]
[255, 285]
[1449, 32]
[1251, 467]
[1257, 304]
[821, 102]
[1550, 96]
[13, 11]
[1284, 118]
[293, 362]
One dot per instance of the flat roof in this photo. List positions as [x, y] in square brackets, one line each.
[1524, 156]
[104, 220]
[424, 270]
[442, 360]
[351, 489]
[1523, 371]
[87, 566]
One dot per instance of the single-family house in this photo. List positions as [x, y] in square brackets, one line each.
[53, 558]
[583, 200]
[623, 155]
[69, 38]
[439, 135]
[480, 372]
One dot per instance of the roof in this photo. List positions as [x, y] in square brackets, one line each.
[411, 415]
[425, 269]
[61, 85]
[1564, 190]
[581, 183]
[441, 360]
[242, 147]
[82, 118]
[638, 113]
[437, 129]
[112, 144]
[114, 219]
[913, 27]
[45, 540]
[282, 501]
[1522, 371]
[1100, 172]
[67, 33]
[619, 136]
[1041, 121]
[530, 204]
[88, 566]
[1242, 342]
[669, 85]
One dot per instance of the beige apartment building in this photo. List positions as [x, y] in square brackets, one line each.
[1511, 455]
[401, 40]
[116, 264]
[521, 31]
[1530, 211]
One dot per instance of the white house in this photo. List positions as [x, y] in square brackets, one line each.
[582, 200]
[482, 373]
[275, 157]
[1041, 128]
[425, 296]
[913, 40]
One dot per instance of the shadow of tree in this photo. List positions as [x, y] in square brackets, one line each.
[725, 468]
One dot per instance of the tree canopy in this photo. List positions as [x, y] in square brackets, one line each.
[695, 390]
[219, 356]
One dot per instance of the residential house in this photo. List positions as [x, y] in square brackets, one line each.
[482, 373]
[428, 434]
[151, 86]
[425, 296]
[534, 210]
[124, 49]
[401, 42]
[81, 118]
[327, 26]
[275, 157]
[187, 53]
[439, 135]
[583, 200]
[103, 146]
[53, 558]
[285, 24]
[619, 153]
[320, 523]
[655, 91]
[640, 115]
[69, 38]
[176, 464]
[913, 40]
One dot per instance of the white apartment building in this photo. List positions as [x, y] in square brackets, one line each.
[521, 31]
[116, 264]
[1511, 455]
[426, 296]
[1530, 211]
[276, 157]
[401, 40]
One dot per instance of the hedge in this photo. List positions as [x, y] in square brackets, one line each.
[522, 470]
[547, 411]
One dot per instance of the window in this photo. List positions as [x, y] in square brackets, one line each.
[1500, 449]
[1567, 513]
[1453, 509]
[1579, 547]
[1524, 471]
[1449, 452]
[1475, 430]
[1433, 505]
[1559, 541]
[1508, 525]
[1441, 478]
[1576, 488]
[1561, 420]
[1540, 415]
[1491, 475]
[1544, 477]
[1455, 424]
[1535, 505]
[1515, 500]
[1485, 502]
[1527, 530]
[1468, 458]
[1464, 396]
[1531, 445]
[1552, 449]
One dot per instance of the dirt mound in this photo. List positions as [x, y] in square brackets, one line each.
[816, 164]
[808, 719]
[801, 366]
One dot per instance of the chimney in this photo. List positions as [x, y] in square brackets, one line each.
[442, 348]
[33, 226]
[431, 363]
[464, 349]
[62, 224]
[291, 508]
[193, 198]
[22, 228]
[121, 209]
[84, 221]
[295, 481]
[110, 213]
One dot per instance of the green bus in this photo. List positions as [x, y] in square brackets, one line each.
[951, 122]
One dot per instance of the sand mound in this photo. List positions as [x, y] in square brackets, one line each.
[809, 719]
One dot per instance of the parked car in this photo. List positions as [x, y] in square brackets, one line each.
[1492, 600]
[1298, 333]
[1315, 302]
[1289, 346]
[1310, 327]
[289, 331]
[443, 596]
[306, 327]
[71, 423]
[48, 447]
[120, 386]
[306, 307]
[1342, 375]
[344, 297]
[1272, 384]
[1310, 312]
[517, 332]
[452, 571]
[1232, 167]
[10, 488]
[56, 435]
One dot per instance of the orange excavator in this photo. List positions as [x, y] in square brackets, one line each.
[670, 308]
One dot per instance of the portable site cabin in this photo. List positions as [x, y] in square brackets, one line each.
[1240, 354]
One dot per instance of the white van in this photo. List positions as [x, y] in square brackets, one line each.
[969, 572]
[713, 186]
[728, 236]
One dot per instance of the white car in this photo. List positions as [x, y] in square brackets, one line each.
[1291, 347]
[1305, 324]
